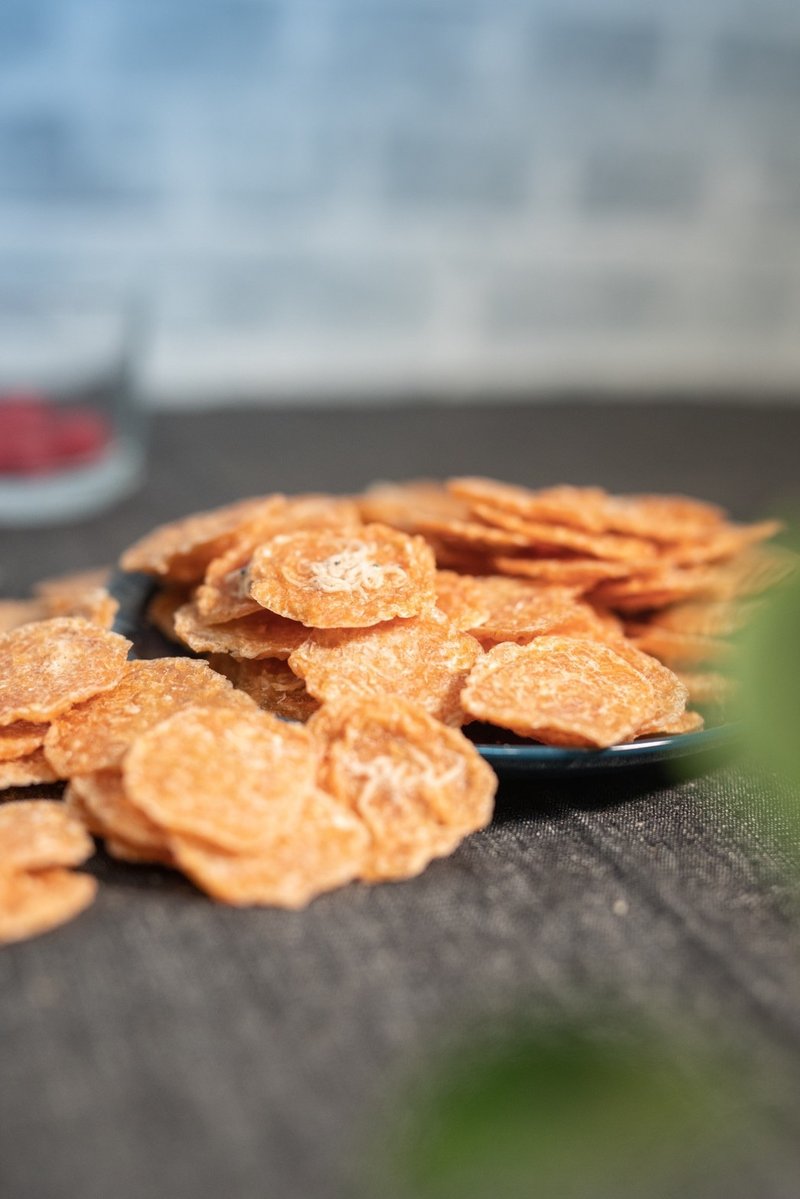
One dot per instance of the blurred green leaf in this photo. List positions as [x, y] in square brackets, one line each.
[559, 1114]
[769, 674]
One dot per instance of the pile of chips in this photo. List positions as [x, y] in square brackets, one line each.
[340, 645]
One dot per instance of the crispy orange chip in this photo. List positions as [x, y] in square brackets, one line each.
[182, 550]
[418, 787]
[706, 618]
[424, 659]
[97, 734]
[260, 635]
[326, 848]
[561, 690]
[163, 606]
[404, 505]
[224, 595]
[328, 578]
[102, 797]
[37, 833]
[47, 667]
[578, 507]
[462, 599]
[31, 904]
[25, 772]
[470, 535]
[20, 739]
[708, 686]
[671, 694]
[126, 851]
[234, 779]
[270, 683]
[687, 722]
[584, 573]
[655, 588]
[520, 610]
[614, 547]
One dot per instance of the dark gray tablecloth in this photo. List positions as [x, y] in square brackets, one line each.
[162, 1045]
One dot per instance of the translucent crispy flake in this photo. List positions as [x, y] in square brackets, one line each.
[424, 659]
[325, 849]
[270, 683]
[720, 545]
[417, 786]
[470, 535]
[20, 739]
[328, 578]
[261, 635]
[37, 833]
[34, 903]
[26, 772]
[234, 779]
[706, 618]
[97, 734]
[562, 691]
[47, 667]
[126, 851]
[182, 550]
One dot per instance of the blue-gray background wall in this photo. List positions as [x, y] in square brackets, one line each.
[375, 197]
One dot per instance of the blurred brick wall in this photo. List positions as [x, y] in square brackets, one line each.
[381, 196]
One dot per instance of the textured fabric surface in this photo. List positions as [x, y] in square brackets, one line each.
[164, 1045]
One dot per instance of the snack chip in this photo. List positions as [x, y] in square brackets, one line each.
[97, 734]
[33, 903]
[37, 833]
[352, 578]
[47, 667]
[325, 848]
[424, 659]
[562, 691]
[270, 683]
[27, 771]
[233, 779]
[261, 635]
[418, 787]
[20, 739]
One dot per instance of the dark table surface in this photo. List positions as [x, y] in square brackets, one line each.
[162, 1045]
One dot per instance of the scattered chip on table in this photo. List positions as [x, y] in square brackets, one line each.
[34, 902]
[418, 786]
[37, 833]
[97, 734]
[47, 667]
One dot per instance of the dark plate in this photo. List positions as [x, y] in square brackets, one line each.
[508, 755]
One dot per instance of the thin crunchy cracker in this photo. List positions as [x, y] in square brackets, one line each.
[562, 691]
[261, 635]
[418, 787]
[38, 833]
[329, 578]
[26, 772]
[270, 683]
[33, 903]
[20, 739]
[47, 667]
[234, 779]
[424, 659]
[97, 734]
[325, 849]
